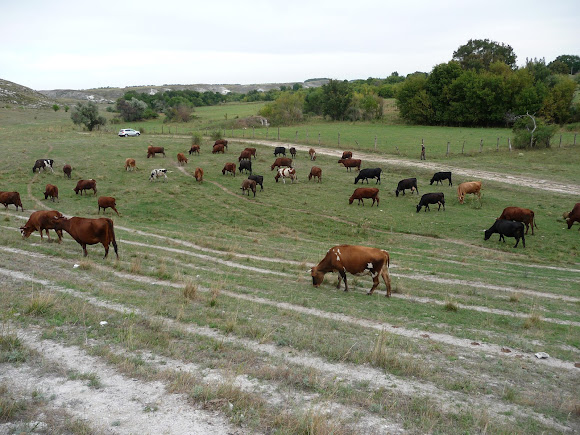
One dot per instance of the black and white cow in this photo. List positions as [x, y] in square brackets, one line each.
[407, 183]
[247, 165]
[365, 174]
[158, 173]
[440, 176]
[280, 150]
[43, 164]
[507, 228]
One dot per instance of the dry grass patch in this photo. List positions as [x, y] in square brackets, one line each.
[451, 306]
[40, 304]
[190, 291]
[534, 321]
[136, 266]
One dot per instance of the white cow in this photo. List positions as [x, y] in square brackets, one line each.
[158, 173]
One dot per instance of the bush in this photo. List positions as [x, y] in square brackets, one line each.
[542, 136]
[216, 135]
[196, 139]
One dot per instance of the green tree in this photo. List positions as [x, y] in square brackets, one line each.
[557, 104]
[286, 110]
[558, 67]
[313, 101]
[479, 54]
[87, 115]
[573, 63]
[55, 107]
[336, 99]
[438, 87]
[131, 110]
[413, 101]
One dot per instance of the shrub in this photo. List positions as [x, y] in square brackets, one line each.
[196, 139]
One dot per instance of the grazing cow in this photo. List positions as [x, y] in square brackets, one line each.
[407, 183]
[88, 231]
[107, 202]
[67, 170]
[524, 215]
[43, 164]
[130, 164]
[245, 155]
[181, 159]
[351, 163]
[281, 161]
[431, 198]
[151, 151]
[52, 191]
[286, 173]
[440, 176]
[312, 154]
[367, 173]
[259, 179]
[365, 192]
[248, 185]
[41, 220]
[315, 172]
[194, 149]
[198, 175]
[221, 142]
[293, 152]
[245, 165]
[357, 260]
[573, 216]
[229, 167]
[346, 155]
[7, 198]
[279, 150]
[507, 228]
[252, 151]
[158, 173]
[468, 187]
[219, 148]
[85, 185]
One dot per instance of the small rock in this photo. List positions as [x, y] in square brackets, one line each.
[542, 355]
[103, 323]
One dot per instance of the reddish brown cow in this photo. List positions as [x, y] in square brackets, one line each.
[219, 148]
[151, 151]
[105, 202]
[468, 187]
[573, 216]
[315, 172]
[52, 191]
[221, 142]
[356, 260]
[8, 198]
[281, 161]
[229, 167]
[199, 175]
[245, 155]
[67, 170]
[130, 164]
[248, 185]
[181, 159]
[365, 192]
[351, 163]
[194, 149]
[346, 155]
[312, 154]
[89, 231]
[524, 215]
[252, 151]
[85, 185]
[41, 220]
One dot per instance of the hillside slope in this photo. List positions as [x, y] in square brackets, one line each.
[12, 94]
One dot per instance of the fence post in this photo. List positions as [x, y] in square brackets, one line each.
[232, 131]
[253, 132]
[375, 142]
[497, 145]
[224, 132]
[306, 136]
[296, 136]
[267, 130]
[560, 144]
[447, 149]
[278, 133]
[481, 145]
[509, 144]
[575, 138]
[339, 138]
[319, 139]
[463, 147]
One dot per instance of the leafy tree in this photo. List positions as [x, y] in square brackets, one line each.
[286, 110]
[479, 54]
[131, 110]
[573, 62]
[313, 101]
[336, 98]
[413, 101]
[558, 102]
[558, 67]
[179, 113]
[87, 115]
[530, 132]
[55, 107]
[438, 87]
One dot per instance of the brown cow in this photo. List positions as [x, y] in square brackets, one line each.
[252, 151]
[198, 175]
[130, 164]
[151, 151]
[218, 148]
[221, 142]
[351, 163]
[89, 231]
[346, 155]
[281, 161]
[8, 198]
[67, 169]
[356, 260]
[107, 202]
[181, 159]
[365, 192]
[248, 185]
[573, 216]
[194, 149]
[245, 155]
[312, 154]
[52, 191]
[524, 215]
[85, 185]
[229, 167]
[286, 173]
[41, 220]
[293, 152]
[467, 188]
[315, 172]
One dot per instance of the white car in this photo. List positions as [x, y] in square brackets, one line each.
[124, 132]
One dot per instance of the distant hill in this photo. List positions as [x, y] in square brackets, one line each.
[12, 94]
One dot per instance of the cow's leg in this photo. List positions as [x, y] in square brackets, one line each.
[114, 208]
[59, 234]
[106, 246]
[387, 279]
[85, 253]
[523, 240]
[342, 276]
[517, 241]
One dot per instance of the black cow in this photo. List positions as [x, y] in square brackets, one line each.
[440, 176]
[43, 164]
[245, 164]
[293, 152]
[280, 150]
[507, 228]
[259, 179]
[431, 198]
[365, 174]
[407, 183]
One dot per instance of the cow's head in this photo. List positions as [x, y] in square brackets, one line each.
[418, 207]
[317, 277]
[58, 222]
[397, 193]
[26, 231]
[487, 234]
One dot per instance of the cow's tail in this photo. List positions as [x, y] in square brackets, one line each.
[534, 220]
[112, 235]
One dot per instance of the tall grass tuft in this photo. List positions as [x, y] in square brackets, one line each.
[11, 349]
[190, 291]
[40, 305]
[534, 321]
[451, 306]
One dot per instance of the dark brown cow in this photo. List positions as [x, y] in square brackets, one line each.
[41, 220]
[365, 192]
[85, 185]
[52, 191]
[248, 185]
[357, 260]
[89, 231]
[351, 163]
[229, 167]
[151, 151]
[524, 215]
[194, 149]
[198, 175]
[105, 202]
[130, 164]
[252, 151]
[312, 154]
[219, 148]
[7, 198]
[315, 172]
[346, 155]
[181, 159]
[573, 216]
[281, 161]
[221, 142]
[67, 169]
[293, 152]
[245, 155]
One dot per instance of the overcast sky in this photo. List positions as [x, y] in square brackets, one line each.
[63, 44]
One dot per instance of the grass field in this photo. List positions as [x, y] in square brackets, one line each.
[214, 279]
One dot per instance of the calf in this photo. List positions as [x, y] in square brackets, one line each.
[407, 183]
[221, 142]
[312, 154]
[7, 198]
[130, 164]
[346, 155]
[198, 175]
[524, 215]
[151, 151]
[67, 169]
[259, 179]
[158, 173]
[367, 173]
[245, 155]
[279, 150]
[245, 165]
[365, 192]
[105, 202]
[252, 151]
[286, 173]
[293, 152]
[507, 228]
[440, 176]
[281, 161]
[39, 221]
[181, 159]
[351, 163]
[218, 148]
[431, 198]
[248, 185]
[573, 216]
[315, 172]
[85, 185]
[43, 164]
[194, 149]
[468, 187]
[52, 191]
[229, 167]
[88, 231]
